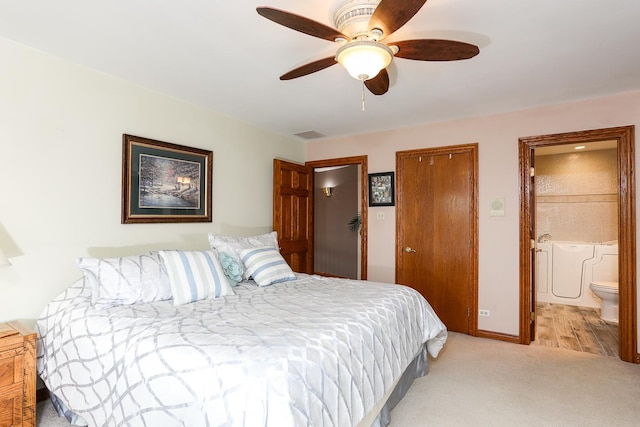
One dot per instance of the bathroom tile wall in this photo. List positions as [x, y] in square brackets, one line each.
[577, 196]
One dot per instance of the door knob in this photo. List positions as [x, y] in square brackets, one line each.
[409, 250]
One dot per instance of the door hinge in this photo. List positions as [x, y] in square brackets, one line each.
[533, 317]
[468, 311]
[532, 244]
[532, 172]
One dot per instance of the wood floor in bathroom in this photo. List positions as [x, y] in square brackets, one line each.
[575, 328]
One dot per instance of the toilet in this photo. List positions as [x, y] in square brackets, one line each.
[608, 294]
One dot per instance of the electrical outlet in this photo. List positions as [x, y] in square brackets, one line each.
[484, 313]
[380, 216]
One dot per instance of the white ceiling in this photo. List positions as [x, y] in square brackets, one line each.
[226, 57]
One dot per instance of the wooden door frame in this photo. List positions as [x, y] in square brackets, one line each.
[472, 149]
[624, 136]
[362, 161]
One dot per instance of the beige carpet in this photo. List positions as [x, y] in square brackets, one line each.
[480, 382]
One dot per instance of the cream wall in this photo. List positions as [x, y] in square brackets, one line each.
[497, 137]
[61, 129]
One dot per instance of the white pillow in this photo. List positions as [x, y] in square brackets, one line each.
[194, 276]
[233, 245]
[127, 280]
[266, 265]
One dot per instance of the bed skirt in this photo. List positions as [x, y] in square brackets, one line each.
[418, 367]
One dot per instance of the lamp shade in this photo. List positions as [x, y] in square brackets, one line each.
[364, 59]
[4, 261]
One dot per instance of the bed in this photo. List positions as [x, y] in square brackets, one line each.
[308, 351]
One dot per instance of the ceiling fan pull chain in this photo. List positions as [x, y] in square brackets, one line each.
[362, 94]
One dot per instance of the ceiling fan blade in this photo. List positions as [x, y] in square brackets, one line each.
[390, 15]
[300, 23]
[435, 50]
[379, 85]
[309, 68]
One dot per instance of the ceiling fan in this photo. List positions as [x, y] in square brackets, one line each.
[361, 25]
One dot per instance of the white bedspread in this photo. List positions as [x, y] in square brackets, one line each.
[310, 352]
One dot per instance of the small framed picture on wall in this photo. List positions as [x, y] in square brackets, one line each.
[381, 189]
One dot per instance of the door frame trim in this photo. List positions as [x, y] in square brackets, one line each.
[624, 136]
[364, 171]
[473, 273]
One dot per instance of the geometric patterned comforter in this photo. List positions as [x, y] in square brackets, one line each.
[311, 352]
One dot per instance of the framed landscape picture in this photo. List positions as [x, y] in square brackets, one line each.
[164, 182]
[381, 189]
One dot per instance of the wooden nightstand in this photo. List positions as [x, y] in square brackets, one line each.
[17, 375]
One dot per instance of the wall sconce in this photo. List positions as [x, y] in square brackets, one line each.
[327, 191]
[4, 261]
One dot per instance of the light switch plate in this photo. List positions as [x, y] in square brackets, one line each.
[497, 207]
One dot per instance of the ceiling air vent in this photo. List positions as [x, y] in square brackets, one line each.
[310, 134]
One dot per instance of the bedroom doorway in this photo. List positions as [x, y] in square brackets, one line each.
[437, 230]
[336, 221]
[355, 168]
[624, 139]
[293, 216]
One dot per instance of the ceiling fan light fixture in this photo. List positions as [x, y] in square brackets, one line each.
[364, 59]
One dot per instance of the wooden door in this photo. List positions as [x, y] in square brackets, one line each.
[293, 213]
[437, 230]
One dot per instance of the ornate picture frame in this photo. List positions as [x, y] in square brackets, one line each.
[381, 189]
[164, 182]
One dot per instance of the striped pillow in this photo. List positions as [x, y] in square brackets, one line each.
[266, 266]
[194, 276]
[233, 245]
